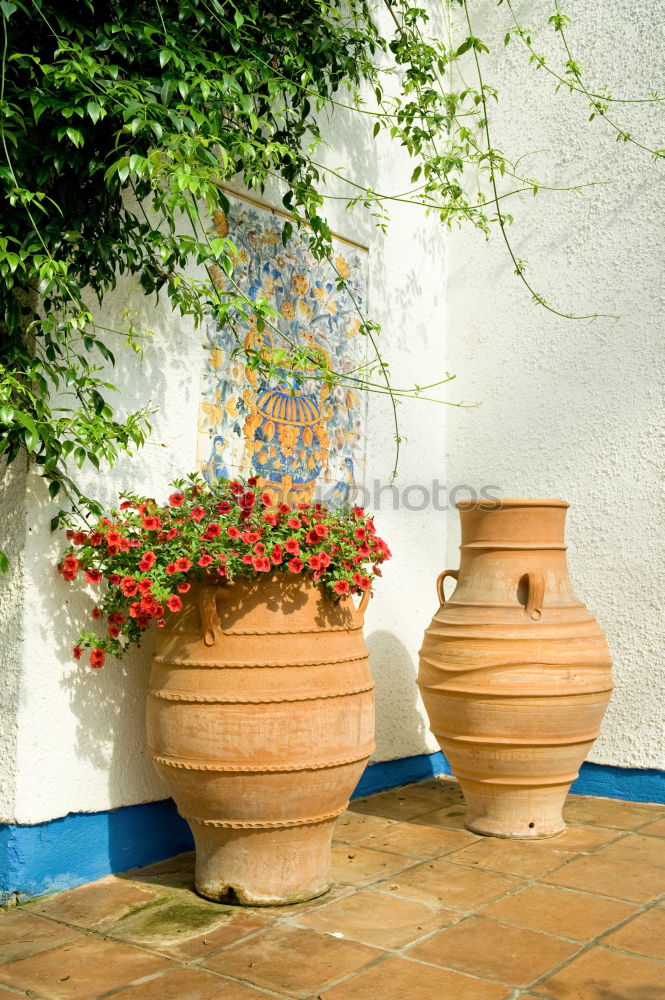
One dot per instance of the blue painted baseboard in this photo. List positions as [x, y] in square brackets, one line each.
[81, 847]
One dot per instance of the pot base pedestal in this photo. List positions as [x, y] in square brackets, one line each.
[263, 867]
[514, 813]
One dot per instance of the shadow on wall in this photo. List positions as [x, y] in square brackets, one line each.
[397, 698]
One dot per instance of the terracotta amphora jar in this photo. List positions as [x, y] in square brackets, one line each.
[260, 723]
[514, 670]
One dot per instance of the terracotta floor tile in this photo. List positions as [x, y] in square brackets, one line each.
[644, 935]
[402, 979]
[291, 960]
[378, 918]
[449, 817]
[97, 905]
[353, 865]
[190, 984]
[450, 885]
[280, 912]
[23, 934]
[418, 841]
[656, 829]
[173, 873]
[514, 956]
[400, 804]
[611, 877]
[353, 826]
[509, 857]
[600, 974]
[188, 928]
[81, 970]
[610, 812]
[577, 915]
[582, 839]
[637, 848]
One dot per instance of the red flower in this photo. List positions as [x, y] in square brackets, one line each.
[77, 651]
[224, 507]
[117, 619]
[197, 513]
[324, 560]
[266, 500]
[313, 563]
[182, 588]
[311, 537]
[277, 555]
[161, 623]
[360, 534]
[296, 566]
[363, 582]
[232, 531]
[182, 564]
[235, 487]
[145, 586]
[124, 545]
[126, 504]
[213, 530]
[96, 538]
[96, 613]
[247, 559]
[259, 548]
[292, 546]
[205, 560]
[151, 523]
[114, 579]
[129, 587]
[93, 576]
[113, 550]
[143, 620]
[149, 558]
[176, 499]
[261, 564]
[79, 538]
[284, 508]
[341, 587]
[294, 523]
[247, 500]
[171, 534]
[321, 531]
[358, 511]
[113, 631]
[97, 657]
[174, 603]
[252, 481]
[249, 537]
[269, 518]
[170, 569]
[112, 538]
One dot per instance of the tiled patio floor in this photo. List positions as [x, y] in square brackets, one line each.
[421, 910]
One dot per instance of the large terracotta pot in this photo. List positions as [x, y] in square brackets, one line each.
[514, 670]
[260, 723]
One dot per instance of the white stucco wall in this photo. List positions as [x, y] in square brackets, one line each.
[567, 410]
[574, 409]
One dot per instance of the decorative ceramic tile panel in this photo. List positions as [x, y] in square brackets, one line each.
[298, 437]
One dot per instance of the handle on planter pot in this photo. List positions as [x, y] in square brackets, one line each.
[536, 592]
[212, 628]
[364, 601]
[454, 573]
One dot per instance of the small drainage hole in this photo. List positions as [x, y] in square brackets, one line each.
[531, 826]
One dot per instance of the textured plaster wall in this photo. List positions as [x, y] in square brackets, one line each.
[574, 409]
[12, 540]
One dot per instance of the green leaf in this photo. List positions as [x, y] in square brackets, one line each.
[165, 56]
[7, 11]
[54, 488]
[4, 561]
[94, 111]
[286, 233]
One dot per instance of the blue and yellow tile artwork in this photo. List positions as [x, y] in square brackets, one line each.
[301, 439]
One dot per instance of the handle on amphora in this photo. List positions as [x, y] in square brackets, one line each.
[454, 573]
[536, 592]
[209, 617]
[364, 601]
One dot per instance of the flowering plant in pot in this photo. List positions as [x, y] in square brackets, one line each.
[260, 711]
